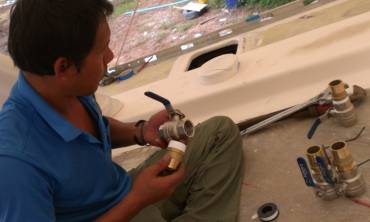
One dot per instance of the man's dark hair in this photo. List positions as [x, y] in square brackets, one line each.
[40, 31]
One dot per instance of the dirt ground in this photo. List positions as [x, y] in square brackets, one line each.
[150, 31]
[156, 30]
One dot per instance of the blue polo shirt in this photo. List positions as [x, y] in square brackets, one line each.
[51, 170]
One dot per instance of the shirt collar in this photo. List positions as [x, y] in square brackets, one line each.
[56, 121]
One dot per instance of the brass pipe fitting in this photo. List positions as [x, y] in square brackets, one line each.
[176, 130]
[343, 107]
[347, 170]
[338, 90]
[322, 189]
[176, 150]
[311, 154]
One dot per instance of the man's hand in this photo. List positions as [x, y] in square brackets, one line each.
[151, 129]
[149, 187]
[123, 134]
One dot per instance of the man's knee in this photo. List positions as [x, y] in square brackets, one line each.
[224, 131]
[223, 124]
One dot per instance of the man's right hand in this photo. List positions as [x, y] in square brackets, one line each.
[149, 187]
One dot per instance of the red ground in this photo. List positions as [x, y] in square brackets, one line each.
[151, 31]
[156, 30]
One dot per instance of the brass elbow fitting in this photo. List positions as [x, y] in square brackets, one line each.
[347, 169]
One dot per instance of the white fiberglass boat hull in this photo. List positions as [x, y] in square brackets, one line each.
[269, 78]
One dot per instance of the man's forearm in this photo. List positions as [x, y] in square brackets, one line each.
[122, 134]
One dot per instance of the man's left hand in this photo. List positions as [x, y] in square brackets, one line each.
[151, 129]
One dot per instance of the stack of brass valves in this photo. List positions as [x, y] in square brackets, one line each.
[332, 174]
[176, 132]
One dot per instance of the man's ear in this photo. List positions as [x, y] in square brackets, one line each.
[63, 68]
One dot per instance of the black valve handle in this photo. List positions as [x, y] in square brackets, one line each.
[159, 98]
[164, 101]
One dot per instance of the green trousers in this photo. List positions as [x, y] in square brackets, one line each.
[212, 185]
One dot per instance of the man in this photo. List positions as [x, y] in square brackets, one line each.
[55, 145]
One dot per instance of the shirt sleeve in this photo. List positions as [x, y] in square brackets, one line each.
[25, 194]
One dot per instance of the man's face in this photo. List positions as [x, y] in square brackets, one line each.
[94, 66]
